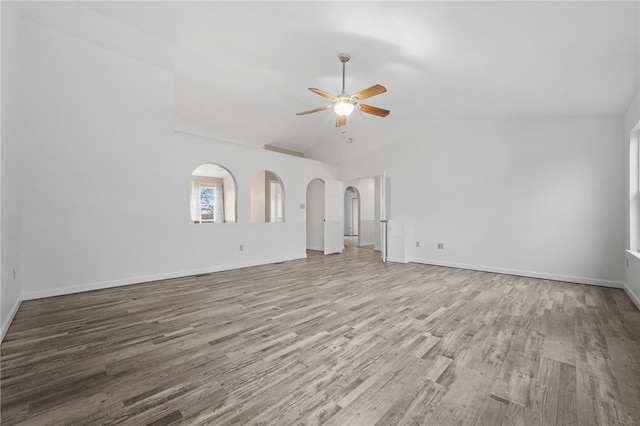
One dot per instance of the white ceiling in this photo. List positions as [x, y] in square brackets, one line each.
[242, 69]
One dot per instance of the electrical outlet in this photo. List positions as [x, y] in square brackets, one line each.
[440, 246]
[417, 243]
[14, 274]
[241, 247]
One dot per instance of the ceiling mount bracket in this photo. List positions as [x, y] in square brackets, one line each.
[344, 58]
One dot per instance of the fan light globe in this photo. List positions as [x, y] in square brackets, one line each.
[343, 108]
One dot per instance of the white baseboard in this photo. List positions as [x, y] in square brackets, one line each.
[635, 299]
[9, 319]
[397, 260]
[29, 295]
[542, 275]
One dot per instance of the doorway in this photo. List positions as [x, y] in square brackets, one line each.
[333, 218]
[325, 215]
[352, 215]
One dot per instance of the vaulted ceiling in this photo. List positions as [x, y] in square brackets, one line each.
[242, 69]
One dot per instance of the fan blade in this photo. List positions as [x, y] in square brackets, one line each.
[371, 91]
[373, 110]
[313, 110]
[341, 120]
[323, 93]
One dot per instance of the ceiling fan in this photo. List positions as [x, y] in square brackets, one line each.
[344, 104]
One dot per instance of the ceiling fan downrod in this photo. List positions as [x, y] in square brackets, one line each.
[344, 58]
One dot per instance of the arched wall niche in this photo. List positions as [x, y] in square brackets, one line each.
[267, 198]
[212, 195]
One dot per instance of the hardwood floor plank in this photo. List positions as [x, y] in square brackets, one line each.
[567, 414]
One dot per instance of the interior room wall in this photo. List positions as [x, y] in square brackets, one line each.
[98, 130]
[537, 197]
[11, 268]
[315, 215]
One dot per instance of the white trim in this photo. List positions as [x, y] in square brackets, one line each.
[635, 299]
[397, 260]
[542, 275]
[634, 253]
[7, 322]
[39, 294]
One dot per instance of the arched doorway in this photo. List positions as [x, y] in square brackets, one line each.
[315, 215]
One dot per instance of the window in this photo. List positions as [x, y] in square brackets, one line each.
[213, 195]
[207, 202]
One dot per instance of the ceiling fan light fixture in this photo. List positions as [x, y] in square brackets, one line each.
[344, 103]
[344, 107]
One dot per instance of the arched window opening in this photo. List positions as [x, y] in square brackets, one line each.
[267, 198]
[212, 195]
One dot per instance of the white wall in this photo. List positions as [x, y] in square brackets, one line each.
[533, 197]
[99, 151]
[315, 215]
[11, 288]
[631, 137]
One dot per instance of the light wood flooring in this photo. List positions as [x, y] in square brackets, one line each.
[336, 340]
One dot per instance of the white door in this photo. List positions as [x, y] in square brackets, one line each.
[384, 214]
[333, 216]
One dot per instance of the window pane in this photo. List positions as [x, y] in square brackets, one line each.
[207, 195]
[207, 198]
[206, 212]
